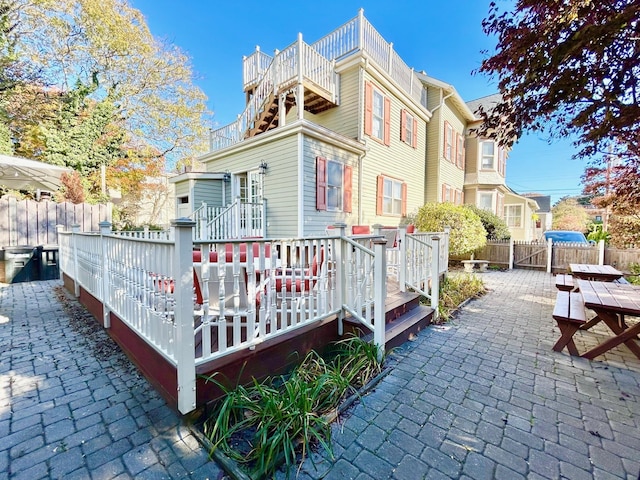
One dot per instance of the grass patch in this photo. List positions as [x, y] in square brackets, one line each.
[279, 420]
[455, 290]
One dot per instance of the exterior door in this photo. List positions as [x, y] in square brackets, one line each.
[250, 190]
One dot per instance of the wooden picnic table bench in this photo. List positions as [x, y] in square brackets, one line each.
[565, 282]
[569, 313]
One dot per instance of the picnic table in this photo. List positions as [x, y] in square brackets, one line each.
[604, 273]
[612, 302]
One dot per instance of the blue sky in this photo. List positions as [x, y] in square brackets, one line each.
[443, 38]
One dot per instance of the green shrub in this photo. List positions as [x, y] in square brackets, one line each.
[634, 278]
[467, 233]
[455, 290]
[495, 226]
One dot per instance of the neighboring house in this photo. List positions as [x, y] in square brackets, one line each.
[545, 217]
[519, 215]
[341, 130]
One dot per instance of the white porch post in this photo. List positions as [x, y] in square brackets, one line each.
[380, 294]
[339, 256]
[549, 254]
[75, 229]
[185, 353]
[105, 230]
[300, 87]
[236, 219]
[59, 229]
[402, 267]
[435, 274]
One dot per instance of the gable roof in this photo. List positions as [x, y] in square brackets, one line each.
[487, 102]
[450, 91]
[544, 201]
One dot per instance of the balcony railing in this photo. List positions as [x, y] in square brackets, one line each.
[316, 64]
[193, 302]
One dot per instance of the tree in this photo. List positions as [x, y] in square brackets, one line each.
[495, 226]
[569, 215]
[569, 66]
[6, 145]
[467, 233]
[144, 85]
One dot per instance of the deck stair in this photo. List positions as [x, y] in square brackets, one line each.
[404, 318]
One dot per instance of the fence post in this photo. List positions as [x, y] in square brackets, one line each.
[601, 252]
[183, 275]
[435, 275]
[75, 229]
[402, 267]
[549, 254]
[237, 218]
[59, 230]
[379, 294]
[511, 252]
[105, 230]
[340, 256]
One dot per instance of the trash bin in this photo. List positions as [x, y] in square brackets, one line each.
[49, 262]
[21, 264]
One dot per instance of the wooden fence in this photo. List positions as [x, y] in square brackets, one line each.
[27, 222]
[556, 257]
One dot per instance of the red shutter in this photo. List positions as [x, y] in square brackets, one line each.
[321, 183]
[348, 188]
[387, 121]
[403, 127]
[404, 199]
[464, 153]
[414, 140]
[379, 195]
[444, 192]
[368, 108]
[446, 141]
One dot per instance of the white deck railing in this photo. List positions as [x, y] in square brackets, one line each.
[193, 308]
[314, 63]
[237, 220]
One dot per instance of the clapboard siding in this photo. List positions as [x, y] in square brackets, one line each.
[27, 222]
[343, 118]
[316, 222]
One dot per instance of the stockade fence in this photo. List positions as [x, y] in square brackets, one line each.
[27, 222]
[554, 257]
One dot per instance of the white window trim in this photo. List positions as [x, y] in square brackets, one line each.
[507, 217]
[392, 199]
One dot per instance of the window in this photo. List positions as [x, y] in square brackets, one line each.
[460, 151]
[333, 185]
[392, 196]
[488, 153]
[408, 129]
[513, 215]
[448, 142]
[485, 201]
[377, 114]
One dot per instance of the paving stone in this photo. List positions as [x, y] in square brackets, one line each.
[410, 468]
[372, 465]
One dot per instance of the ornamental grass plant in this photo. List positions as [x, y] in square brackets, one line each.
[279, 420]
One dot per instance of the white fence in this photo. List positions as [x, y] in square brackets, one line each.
[194, 302]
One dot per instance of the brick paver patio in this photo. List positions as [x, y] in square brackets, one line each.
[481, 397]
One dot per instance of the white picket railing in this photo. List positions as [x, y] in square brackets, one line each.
[315, 63]
[196, 307]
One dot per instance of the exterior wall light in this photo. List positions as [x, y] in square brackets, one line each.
[263, 167]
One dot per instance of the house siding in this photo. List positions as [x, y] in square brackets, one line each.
[343, 118]
[316, 222]
[207, 191]
[398, 160]
[280, 181]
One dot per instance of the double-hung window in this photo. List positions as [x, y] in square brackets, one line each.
[333, 185]
[485, 201]
[488, 155]
[408, 129]
[392, 196]
[448, 142]
[460, 151]
[513, 215]
[377, 114]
